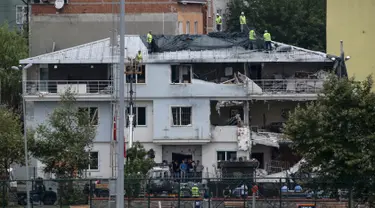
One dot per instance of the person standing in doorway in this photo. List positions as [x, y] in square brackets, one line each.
[219, 22]
[242, 21]
[183, 170]
[176, 169]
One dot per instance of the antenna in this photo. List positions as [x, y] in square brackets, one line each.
[59, 4]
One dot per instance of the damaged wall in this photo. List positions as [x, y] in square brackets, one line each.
[161, 86]
[264, 113]
[289, 69]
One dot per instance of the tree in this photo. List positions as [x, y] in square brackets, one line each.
[297, 22]
[336, 135]
[138, 163]
[11, 139]
[13, 48]
[63, 142]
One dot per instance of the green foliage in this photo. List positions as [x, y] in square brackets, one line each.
[136, 167]
[13, 48]
[11, 139]
[63, 142]
[336, 134]
[297, 22]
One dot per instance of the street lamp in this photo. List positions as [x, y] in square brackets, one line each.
[24, 134]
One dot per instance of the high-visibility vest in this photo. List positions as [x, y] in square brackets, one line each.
[218, 20]
[195, 191]
[252, 35]
[242, 20]
[267, 36]
[139, 57]
[149, 38]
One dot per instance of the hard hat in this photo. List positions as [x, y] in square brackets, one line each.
[242, 13]
[265, 31]
[195, 184]
[217, 14]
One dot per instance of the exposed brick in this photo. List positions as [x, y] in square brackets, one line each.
[190, 8]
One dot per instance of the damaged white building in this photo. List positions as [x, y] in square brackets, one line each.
[206, 105]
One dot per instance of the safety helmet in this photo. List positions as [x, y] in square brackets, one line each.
[242, 13]
[265, 31]
[217, 14]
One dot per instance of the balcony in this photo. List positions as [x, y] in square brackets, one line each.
[287, 86]
[78, 87]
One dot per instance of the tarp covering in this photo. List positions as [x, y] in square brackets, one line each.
[215, 40]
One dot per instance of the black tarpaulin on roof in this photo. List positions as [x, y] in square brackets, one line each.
[215, 40]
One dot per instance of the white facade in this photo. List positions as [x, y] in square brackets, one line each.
[179, 118]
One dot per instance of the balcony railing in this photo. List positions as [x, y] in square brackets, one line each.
[303, 86]
[79, 87]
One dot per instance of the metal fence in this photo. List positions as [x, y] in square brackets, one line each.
[177, 192]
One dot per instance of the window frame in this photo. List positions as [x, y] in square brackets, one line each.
[187, 28]
[226, 154]
[196, 28]
[180, 28]
[98, 163]
[144, 66]
[180, 107]
[179, 71]
[136, 116]
[24, 16]
[88, 110]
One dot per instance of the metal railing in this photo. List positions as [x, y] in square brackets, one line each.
[306, 86]
[38, 87]
[170, 192]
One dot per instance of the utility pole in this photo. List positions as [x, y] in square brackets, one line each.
[121, 125]
[132, 71]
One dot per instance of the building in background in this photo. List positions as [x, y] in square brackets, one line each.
[353, 22]
[14, 12]
[210, 105]
[83, 21]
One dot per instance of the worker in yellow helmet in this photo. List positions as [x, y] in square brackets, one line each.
[252, 38]
[267, 40]
[219, 22]
[149, 40]
[242, 21]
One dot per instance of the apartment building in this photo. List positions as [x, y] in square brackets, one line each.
[209, 105]
[82, 21]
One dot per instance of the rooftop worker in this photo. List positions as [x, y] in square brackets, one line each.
[138, 57]
[252, 38]
[219, 22]
[242, 21]
[267, 40]
[149, 40]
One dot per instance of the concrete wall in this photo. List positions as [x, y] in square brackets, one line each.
[162, 87]
[357, 34]
[85, 28]
[41, 110]
[199, 129]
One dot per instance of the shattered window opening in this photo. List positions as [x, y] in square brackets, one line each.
[181, 116]
[139, 116]
[92, 113]
[181, 74]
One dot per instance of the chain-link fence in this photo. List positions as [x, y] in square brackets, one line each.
[178, 192]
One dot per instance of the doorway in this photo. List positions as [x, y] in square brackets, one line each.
[179, 157]
[260, 158]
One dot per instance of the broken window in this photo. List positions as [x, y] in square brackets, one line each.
[94, 161]
[139, 77]
[139, 116]
[181, 74]
[227, 113]
[92, 113]
[181, 116]
[219, 73]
